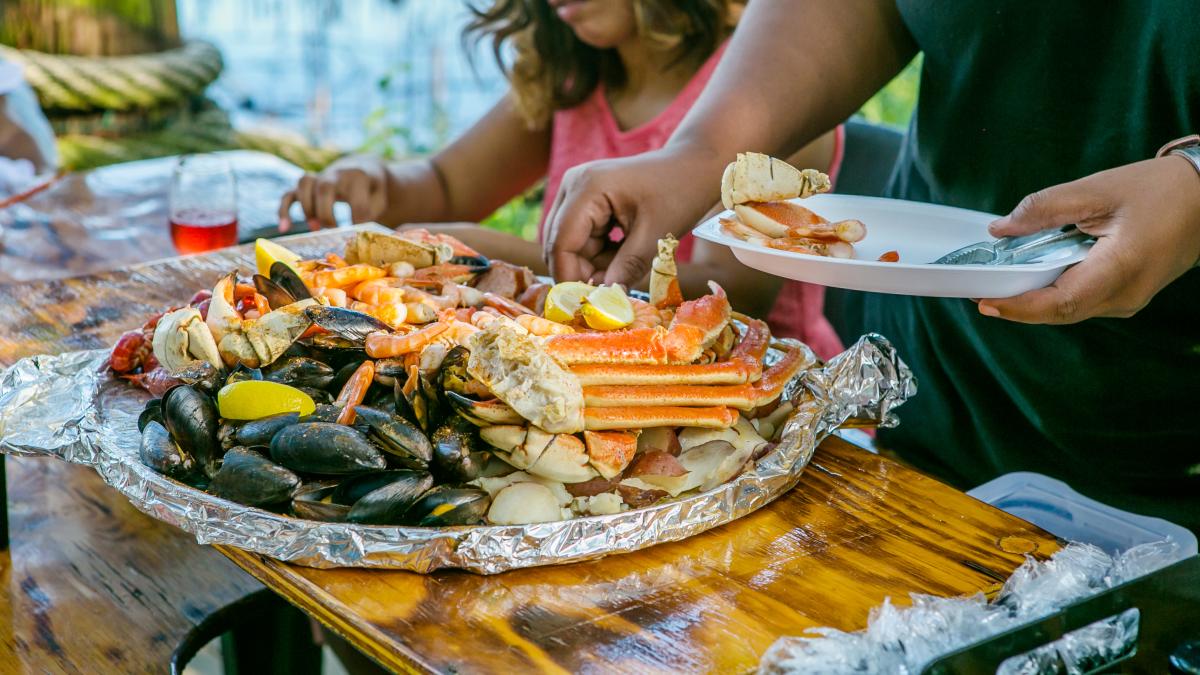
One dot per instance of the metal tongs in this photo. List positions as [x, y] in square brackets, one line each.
[1017, 250]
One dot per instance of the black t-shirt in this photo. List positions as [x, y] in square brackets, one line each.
[1017, 95]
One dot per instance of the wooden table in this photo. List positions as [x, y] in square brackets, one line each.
[90, 583]
[97, 220]
[857, 529]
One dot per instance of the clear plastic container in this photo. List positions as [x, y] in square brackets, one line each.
[1053, 506]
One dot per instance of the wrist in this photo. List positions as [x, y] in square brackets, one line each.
[415, 193]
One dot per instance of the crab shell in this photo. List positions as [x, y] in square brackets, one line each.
[181, 338]
[755, 177]
[384, 248]
[259, 342]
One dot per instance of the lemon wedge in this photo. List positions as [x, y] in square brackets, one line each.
[267, 253]
[607, 308]
[564, 300]
[252, 399]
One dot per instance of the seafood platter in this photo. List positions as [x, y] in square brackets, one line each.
[408, 402]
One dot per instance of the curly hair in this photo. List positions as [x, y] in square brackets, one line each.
[552, 69]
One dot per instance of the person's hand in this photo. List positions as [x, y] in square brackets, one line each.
[1146, 218]
[647, 196]
[359, 181]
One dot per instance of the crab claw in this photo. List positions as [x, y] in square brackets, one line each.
[259, 342]
[223, 316]
[182, 338]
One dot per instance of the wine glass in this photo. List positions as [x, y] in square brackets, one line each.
[203, 204]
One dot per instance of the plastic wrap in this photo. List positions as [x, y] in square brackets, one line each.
[68, 406]
[904, 640]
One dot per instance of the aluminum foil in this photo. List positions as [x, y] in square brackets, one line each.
[68, 406]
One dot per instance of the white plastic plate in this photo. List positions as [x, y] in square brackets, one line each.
[920, 232]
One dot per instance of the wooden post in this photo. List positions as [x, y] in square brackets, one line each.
[90, 27]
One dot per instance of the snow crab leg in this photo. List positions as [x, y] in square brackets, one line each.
[696, 326]
[634, 417]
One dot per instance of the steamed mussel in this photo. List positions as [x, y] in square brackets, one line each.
[448, 505]
[249, 478]
[160, 452]
[191, 418]
[397, 436]
[389, 504]
[325, 448]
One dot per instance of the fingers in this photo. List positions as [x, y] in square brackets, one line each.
[580, 217]
[325, 197]
[1074, 202]
[1091, 288]
[285, 205]
[632, 261]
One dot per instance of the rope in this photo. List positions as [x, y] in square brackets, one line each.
[81, 83]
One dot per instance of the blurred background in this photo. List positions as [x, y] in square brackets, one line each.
[307, 80]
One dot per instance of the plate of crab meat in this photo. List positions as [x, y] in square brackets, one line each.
[783, 221]
[410, 380]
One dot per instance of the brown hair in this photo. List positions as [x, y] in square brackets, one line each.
[552, 69]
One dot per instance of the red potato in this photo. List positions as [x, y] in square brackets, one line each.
[659, 438]
[590, 488]
[656, 463]
[637, 497]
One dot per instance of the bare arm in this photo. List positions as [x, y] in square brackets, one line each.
[793, 71]
[491, 163]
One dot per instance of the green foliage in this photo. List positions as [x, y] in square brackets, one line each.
[518, 217]
[893, 105]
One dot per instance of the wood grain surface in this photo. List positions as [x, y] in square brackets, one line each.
[857, 529]
[91, 584]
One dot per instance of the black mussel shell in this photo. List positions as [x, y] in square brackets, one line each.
[299, 371]
[163, 455]
[312, 501]
[388, 504]
[247, 477]
[343, 374]
[417, 401]
[391, 368]
[353, 488]
[262, 430]
[325, 448]
[325, 412]
[151, 413]
[397, 436]
[452, 376]
[287, 279]
[275, 294]
[478, 263]
[448, 505]
[191, 417]
[202, 375]
[241, 373]
[318, 395]
[459, 455]
[346, 323]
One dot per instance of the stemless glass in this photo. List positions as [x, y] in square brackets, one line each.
[203, 204]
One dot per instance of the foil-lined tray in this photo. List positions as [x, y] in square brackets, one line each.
[68, 406]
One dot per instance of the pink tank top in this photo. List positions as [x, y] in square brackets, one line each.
[589, 131]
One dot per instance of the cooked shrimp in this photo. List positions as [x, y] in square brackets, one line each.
[384, 345]
[347, 276]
